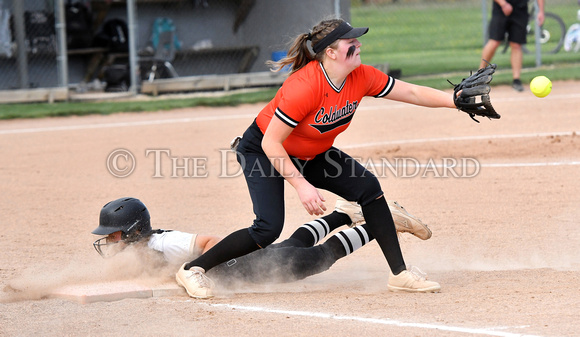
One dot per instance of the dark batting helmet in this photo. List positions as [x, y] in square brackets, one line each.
[128, 215]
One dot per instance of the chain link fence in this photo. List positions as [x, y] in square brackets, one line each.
[85, 45]
[34, 65]
[115, 45]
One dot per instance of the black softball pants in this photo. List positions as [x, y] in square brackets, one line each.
[332, 170]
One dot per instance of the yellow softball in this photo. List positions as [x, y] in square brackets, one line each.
[541, 86]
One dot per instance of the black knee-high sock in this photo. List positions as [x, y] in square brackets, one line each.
[347, 241]
[310, 233]
[381, 225]
[237, 244]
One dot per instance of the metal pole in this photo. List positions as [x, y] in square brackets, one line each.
[22, 55]
[537, 35]
[62, 56]
[337, 8]
[132, 26]
[484, 20]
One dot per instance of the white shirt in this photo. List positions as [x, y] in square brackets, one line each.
[177, 247]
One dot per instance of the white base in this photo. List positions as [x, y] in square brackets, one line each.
[114, 291]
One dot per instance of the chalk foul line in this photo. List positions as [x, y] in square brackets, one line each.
[494, 331]
[410, 164]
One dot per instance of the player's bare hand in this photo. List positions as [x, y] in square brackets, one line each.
[541, 17]
[507, 8]
[311, 199]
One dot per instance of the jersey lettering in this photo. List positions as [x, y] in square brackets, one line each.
[316, 109]
[335, 118]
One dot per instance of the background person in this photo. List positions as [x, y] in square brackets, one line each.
[510, 17]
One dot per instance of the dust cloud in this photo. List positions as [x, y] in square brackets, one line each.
[133, 263]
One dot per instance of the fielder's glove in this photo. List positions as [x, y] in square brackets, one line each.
[476, 85]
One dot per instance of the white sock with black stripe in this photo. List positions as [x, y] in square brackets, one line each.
[347, 241]
[318, 228]
[314, 231]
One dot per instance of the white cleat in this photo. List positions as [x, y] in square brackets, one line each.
[407, 223]
[350, 208]
[404, 221]
[412, 281]
[195, 282]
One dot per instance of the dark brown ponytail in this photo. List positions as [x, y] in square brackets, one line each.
[299, 54]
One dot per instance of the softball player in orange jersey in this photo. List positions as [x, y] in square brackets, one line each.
[291, 139]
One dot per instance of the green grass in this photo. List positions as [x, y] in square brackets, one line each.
[501, 76]
[9, 111]
[441, 38]
[428, 41]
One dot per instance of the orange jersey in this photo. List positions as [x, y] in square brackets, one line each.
[318, 110]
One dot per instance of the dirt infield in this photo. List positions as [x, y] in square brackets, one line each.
[502, 198]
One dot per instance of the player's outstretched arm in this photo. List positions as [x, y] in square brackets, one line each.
[420, 95]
